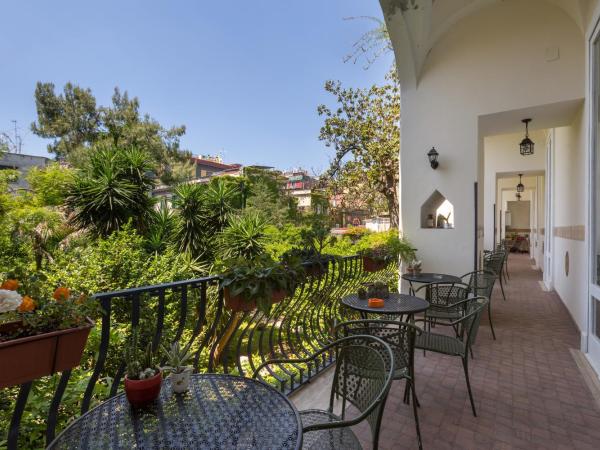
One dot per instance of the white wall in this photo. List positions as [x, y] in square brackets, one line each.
[490, 62]
[570, 210]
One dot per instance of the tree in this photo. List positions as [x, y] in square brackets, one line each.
[75, 124]
[371, 45]
[112, 190]
[276, 208]
[364, 130]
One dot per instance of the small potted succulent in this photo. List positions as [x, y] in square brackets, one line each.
[362, 293]
[378, 289]
[260, 282]
[177, 358]
[143, 377]
[56, 326]
[414, 267]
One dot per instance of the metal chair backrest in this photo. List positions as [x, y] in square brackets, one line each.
[468, 325]
[443, 294]
[400, 336]
[494, 262]
[480, 282]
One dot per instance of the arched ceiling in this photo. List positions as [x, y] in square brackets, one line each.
[424, 22]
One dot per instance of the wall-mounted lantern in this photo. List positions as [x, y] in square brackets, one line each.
[526, 145]
[520, 186]
[433, 158]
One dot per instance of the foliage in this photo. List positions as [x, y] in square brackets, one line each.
[257, 279]
[364, 130]
[112, 190]
[244, 237]
[316, 236]
[40, 313]
[176, 357]
[139, 364]
[190, 231]
[50, 184]
[76, 124]
[277, 208]
[388, 244]
[371, 45]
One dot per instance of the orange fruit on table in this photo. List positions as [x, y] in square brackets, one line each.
[376, 303]
[10, 285]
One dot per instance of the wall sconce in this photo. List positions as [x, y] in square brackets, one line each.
[433, 158]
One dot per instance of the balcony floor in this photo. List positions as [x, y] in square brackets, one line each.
[528, 389]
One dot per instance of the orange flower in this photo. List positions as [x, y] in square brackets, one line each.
[10, 285]
[27, 304]
[61, 294]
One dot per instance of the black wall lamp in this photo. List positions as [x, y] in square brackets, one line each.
[433, 158]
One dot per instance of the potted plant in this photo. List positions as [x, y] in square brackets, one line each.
[41, 334]
[315, 238]
[377, 289]
[377, 249]
[414, 267]
[375, 259]
[177, 358]
[260, 282]
[143, 377]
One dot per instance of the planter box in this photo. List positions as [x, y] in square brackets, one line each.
[32, 357]
[279, 295]
[372, 265]
[237, 303]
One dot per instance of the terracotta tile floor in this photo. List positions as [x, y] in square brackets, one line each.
[528, 390]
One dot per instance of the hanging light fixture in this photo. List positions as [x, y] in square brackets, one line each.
[518, 196]
[527, 144]
[520, 186]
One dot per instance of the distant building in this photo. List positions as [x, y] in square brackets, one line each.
[300, 186]
[22, 163]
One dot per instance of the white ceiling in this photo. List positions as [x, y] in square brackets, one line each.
[544, 116]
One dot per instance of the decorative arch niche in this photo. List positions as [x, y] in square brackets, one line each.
[435, 206]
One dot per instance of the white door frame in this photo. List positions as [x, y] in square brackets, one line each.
[549, 213]
[591, 342]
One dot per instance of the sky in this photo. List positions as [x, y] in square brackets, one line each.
[245, 78]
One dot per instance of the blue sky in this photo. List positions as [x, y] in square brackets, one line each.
[244, 77]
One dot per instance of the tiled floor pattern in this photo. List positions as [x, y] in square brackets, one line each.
[528, 390]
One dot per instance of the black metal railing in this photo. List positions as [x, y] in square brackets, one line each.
[193, 312]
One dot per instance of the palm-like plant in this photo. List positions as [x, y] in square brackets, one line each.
[190, 228]
[222, 198]
[112, 190]
[161, 229]
[244, 237]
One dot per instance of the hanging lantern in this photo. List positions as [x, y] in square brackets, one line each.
[526, 146]
[518, 196]
[520, 186]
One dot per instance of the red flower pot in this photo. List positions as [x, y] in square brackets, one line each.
[143, 392]
[32, 357]
[278, 295]
[238, 303]
[372, 264]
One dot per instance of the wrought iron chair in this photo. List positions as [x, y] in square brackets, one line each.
[400, 336]
[362, 378]
[494, 262]
[461, 344]
[481, 283]
[442, 298]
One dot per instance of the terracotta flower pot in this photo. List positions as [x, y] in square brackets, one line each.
[372, 264]
[238, 303]
[32, 357]
[143, 392]
[278, 295]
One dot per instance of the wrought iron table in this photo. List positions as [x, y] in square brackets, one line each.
[396, 304]
[218, 412]
[426, 278]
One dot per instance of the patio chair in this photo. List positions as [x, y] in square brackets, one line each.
[461, 344]
[400, 336]
[494, 262]
[481, 283]
[443, 298]
[362, 378]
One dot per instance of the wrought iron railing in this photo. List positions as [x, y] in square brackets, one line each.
[191, 311]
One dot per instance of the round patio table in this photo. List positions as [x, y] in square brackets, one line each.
[218, 412]
[426, 278]
[400, 304]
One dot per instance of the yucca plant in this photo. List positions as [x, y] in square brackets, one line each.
[190, 227]
[245, 237]
[112, 190]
